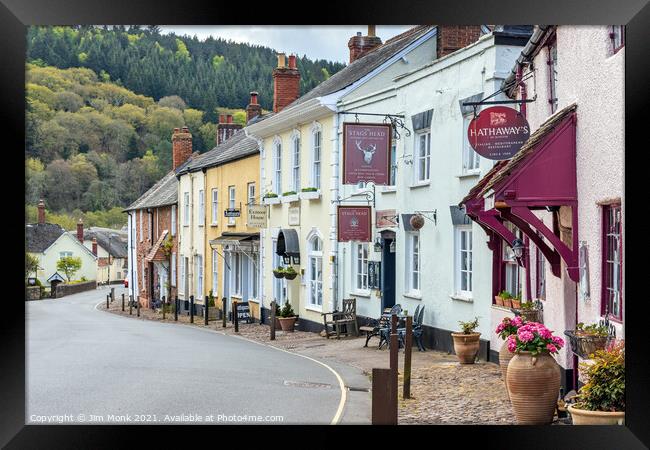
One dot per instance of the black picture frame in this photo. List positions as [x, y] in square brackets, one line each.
[15, 15]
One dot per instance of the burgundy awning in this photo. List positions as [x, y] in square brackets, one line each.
[541, 175]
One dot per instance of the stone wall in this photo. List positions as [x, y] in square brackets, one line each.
[66, 289]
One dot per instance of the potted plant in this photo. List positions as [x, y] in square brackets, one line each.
[516, 301]
[466, 343]
[498, 299]
[505, 329]
[507, 298]
[587, 339]
[212, 310]
[290, 273]
[278, 312]
[533, 377]
[287, 318]
[278, 272]
[289, 196]
[531, 311]
[601, 400]
[270, 198]
[309, 193]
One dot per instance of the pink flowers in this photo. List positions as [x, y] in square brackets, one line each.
[536, 338]
[508, 326]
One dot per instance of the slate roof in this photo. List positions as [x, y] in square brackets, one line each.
[39, 236]
[366, 64]
[117, 249]
[163, 193]
[238, 146]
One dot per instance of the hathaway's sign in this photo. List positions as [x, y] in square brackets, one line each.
[366, 153]
[354, 223]
[498, 132]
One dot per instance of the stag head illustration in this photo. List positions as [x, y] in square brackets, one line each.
[367, 152]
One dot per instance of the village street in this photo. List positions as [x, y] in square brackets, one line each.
[90, 365]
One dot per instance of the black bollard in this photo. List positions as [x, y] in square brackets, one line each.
[164, 300]
[206, 305]
[130, 305]
[176, 309]
[107, 300]
[137, 305]
[223, 316]
[191, 309]
[122, 302]
[234, 316]
[273, 320]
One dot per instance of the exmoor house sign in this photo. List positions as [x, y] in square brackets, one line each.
[366, 156]
[498, 132]
[354, 223]
[256, 216]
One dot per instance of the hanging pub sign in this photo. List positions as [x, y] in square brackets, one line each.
[256, 216]
[232, 212]
[366, 153]
[498, 132]
[354, 223]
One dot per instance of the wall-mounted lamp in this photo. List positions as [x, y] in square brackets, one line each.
[378, 245]
[518, 247]
[296, 259]
[286, 259]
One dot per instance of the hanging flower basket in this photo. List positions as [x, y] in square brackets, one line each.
[290, 274]
[417, 221]
[278, 273]
[585, 345]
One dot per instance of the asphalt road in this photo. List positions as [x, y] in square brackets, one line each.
[89, 366]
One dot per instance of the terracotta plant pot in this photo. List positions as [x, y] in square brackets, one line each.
[516, 303]
[498, 300]
[287, 323]
[466, 346]
[585, 417]
[533, 384]
[507, 303]
[277, 323]
[505, 356]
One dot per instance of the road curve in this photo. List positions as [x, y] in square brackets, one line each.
[88, 366]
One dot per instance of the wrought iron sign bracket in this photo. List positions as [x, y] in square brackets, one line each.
[396, 121]
[369, 195]
[475, 105]
[431, 215]
[394, 219]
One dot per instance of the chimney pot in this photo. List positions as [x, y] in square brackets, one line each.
[286, 84]
[292, 61]
[80, 230]
[186, 130]
[229, 118]
[181, 147]
[281, 61]
[177, 130]
[94, 245]
[371, 30]
[41, 211]
[360, 45]
[253, 109]
[222, 118]
[254, 98]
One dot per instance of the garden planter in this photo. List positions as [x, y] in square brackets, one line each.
[498, 300]
[278, 274]
[533, 383]
[515, 303]
[290, 276]
[531, 315]
[466, 346]
[585, 417]
[287, 323]
[507, 303]
[584, 345]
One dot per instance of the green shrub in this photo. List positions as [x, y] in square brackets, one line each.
[309, 189]
[505, 294]
[469, 327]
[287, 310]
[605, 386]
[270, 195]
[592, 330]
[288, 193]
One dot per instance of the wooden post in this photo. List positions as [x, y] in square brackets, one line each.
[273, 320]
[176, 309]
[206, 305]
[191, 309]
[112, 294]
[383, 412]
[108, 297]
[163, 306]
[130, 305]
[137, 305]
[408, 347]
[122, 302]
[234, 316]
[223, 316]
[394, 348]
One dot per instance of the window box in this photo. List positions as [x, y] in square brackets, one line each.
[310, 195]
[290, 198]
[271, 200]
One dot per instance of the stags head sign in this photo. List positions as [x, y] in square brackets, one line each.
[498, 132]
[366, 153]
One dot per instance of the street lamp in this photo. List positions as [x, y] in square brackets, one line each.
[518, 247]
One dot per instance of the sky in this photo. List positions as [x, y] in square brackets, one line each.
[315, 41]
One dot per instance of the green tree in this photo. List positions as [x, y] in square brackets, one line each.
[31, 264]
[69, 265]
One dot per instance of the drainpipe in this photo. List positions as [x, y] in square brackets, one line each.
[191, 259]
[522, 91]
[260, 291]
[205, 234]
[334, 190]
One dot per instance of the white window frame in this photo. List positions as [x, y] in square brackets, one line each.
[236, 284]
[392, 173]
[295, 161]
[173, 220]
[361, 267]
[232, 192]
[172, 263]
[64, 254]
[512, 270]
[253, 278]
[199, 276]
[471, 160]
[215, 206]
[277, 167]
[315, 283]
[201, 207]
[411, 272]
[422, 178]
[186, 209]
[316, 155]
[459, 251]
[183, 276]
[250, 189]
[279, 284]
[215, 273]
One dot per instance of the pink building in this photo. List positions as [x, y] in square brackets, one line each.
[562, 193]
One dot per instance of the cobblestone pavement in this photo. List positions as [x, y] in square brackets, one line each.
[442, 390]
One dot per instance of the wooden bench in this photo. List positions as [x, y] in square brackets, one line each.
[347, 318]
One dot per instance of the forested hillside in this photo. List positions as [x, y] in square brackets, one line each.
[99, 124]
[205, 74]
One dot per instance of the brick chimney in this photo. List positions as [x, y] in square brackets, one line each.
[226, 128]
[286, 82]
[95, 246]
[181, 146]
[254, 108]
[454, 37]
[360, 45]
[41, 212]
[80, 231]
